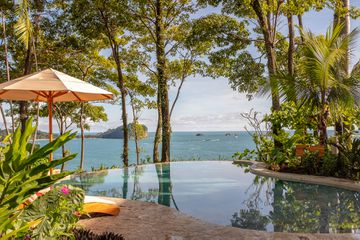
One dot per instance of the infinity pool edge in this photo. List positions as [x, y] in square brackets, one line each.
[261, 169]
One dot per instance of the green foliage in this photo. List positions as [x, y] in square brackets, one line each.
[24, 28]
[322, 84]
[141, 130]
[289, 117]
[104, 167]
[22, 174]
[223, 40]
[247, 154]
[311, 163]
[346, 164]
[279, 157]
[349, 160]
[59, 210]
[91, 113]
[292, 116]
[329, 165]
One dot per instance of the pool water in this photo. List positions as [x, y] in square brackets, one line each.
[222, 193]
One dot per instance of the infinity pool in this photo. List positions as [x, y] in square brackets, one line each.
[222, 193]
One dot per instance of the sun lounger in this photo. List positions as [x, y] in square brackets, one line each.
[98, 206]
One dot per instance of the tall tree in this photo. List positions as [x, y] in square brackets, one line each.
[266, 14]
[342, 17]
[342, 13]
[88, 113]
[63, 48]
[27, 33]
[318, 83]
[157, 28]
[140, 98]
[162, 79]
[107, 20]
[4, 9]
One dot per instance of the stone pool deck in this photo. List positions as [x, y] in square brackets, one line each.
[149, 221]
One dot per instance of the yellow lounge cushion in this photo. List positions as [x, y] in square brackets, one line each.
[102, 208]
[94, 204]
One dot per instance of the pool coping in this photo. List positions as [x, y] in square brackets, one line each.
[262, 169]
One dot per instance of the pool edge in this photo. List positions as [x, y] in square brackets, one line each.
[262, 169]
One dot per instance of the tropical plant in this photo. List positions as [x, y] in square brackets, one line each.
[349, 160]
[108, 21]
[59, 210]
[318, 84]
[83, 234]
[22, 174]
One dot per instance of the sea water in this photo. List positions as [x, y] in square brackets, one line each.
[184, 146]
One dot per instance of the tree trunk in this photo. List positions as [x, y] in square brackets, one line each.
[23, 105]
[323, 131]
[323, 121]
[82, 137]
[115, 53]
[157, 136]
[137, 148]
[269, 38]
[121, 86]
[162, 81]
[291, 48]
[136, 137]
[62, 146]
[301, 26]
[344, 20]
[7, 65]
[177, 95]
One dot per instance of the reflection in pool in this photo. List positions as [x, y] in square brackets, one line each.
[222, 193]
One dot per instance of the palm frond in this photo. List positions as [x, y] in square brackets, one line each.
[24, 26]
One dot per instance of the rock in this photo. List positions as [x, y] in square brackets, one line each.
[117, 133]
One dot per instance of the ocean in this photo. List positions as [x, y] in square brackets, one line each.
[184, 146]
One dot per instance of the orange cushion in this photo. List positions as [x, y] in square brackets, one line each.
[105, 208]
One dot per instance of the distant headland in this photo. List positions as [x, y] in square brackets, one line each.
[113, 133]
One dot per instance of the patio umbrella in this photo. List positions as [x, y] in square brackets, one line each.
[51, 86]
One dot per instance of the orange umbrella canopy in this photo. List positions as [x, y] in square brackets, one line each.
[51, 85]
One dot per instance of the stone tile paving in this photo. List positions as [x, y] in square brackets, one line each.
[149, 221]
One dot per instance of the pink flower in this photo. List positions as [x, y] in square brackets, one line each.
[65, 190]
[77, 214]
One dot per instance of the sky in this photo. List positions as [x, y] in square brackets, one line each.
[207, 104]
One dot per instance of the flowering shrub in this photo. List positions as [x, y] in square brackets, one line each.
[65, 190]
[21, 175]
[60, 209]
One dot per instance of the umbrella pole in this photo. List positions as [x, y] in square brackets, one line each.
[50, 103]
